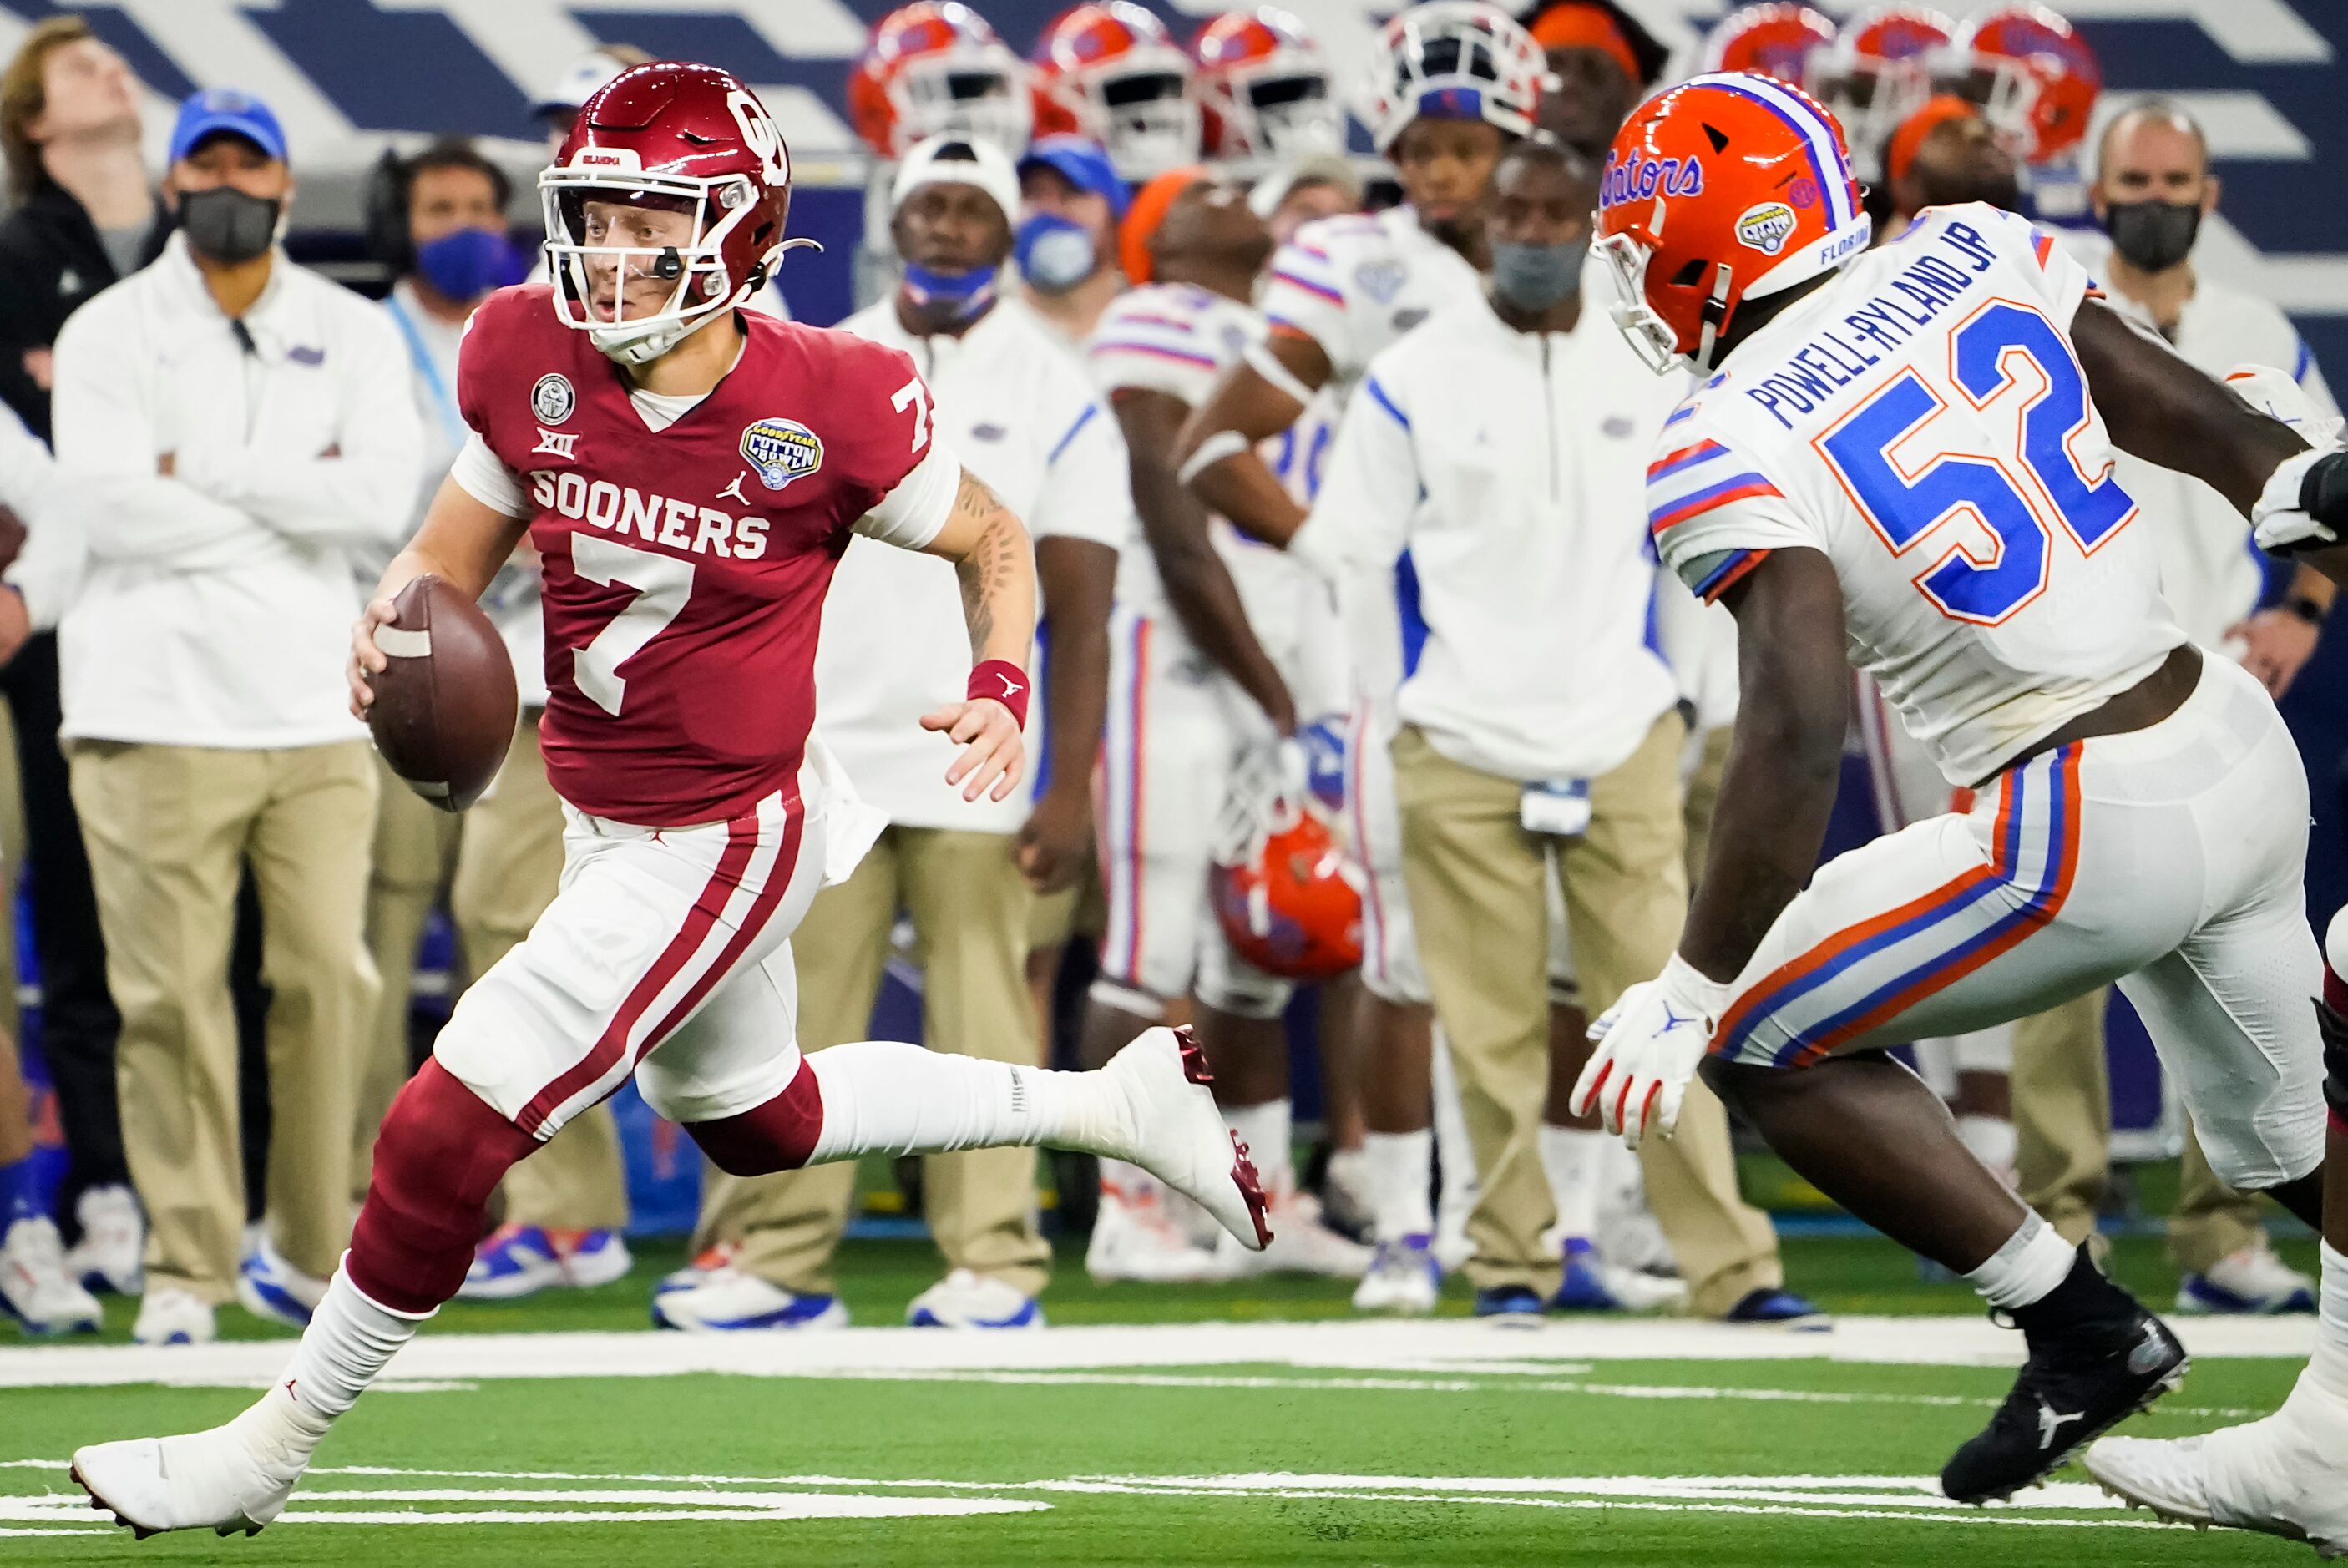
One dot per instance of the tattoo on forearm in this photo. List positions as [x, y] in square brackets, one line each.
[988, 564]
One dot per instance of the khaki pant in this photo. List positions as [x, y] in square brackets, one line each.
[969, 908]
[507, 873]
[169, 829]
[414, 853]
[1475, 877]
[2063, 1121]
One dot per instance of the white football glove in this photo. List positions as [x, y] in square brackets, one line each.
[2279, 522]
[1650, 1043]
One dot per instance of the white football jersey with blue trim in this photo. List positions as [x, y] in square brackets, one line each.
[1354, 283]
[1923, 421]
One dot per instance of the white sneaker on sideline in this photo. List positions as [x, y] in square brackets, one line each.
[1403, 1278]
[36, 1289]
[109, 1256]
[1345, 1189]
[1302, 1243]
[269, 1287]
[964, 1299]
[732, 1302]
[232, 1478]
[1174, 1130]
[2286, 1475]
[2250, 1280]
[173, 1316]
[1137, 1238]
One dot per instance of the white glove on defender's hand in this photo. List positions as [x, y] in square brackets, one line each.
[2276, 521]
[2279, 522]
[1649, 1044]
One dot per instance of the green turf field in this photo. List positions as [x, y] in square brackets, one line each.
[1228, 1428]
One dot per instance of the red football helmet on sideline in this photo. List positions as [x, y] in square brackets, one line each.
[2034, 76]
[1264, 90]
[682, 138]
[1286, 894]
[1725, 189]
[1776, 39]
[1878, 73]
[936, 68]
[1110, 71]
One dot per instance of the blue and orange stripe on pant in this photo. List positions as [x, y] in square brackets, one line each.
[1943, 963]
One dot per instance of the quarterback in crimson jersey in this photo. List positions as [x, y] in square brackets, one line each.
[690, 475]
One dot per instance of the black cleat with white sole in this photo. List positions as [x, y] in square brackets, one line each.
[2097, 1357]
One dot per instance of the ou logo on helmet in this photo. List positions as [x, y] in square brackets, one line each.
[761, 136]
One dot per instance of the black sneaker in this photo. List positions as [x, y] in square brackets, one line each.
[2095, 1358]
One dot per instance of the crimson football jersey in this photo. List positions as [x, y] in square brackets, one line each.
[686, 569]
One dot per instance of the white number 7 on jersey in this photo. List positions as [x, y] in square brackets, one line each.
[913, 395]
[664, 582]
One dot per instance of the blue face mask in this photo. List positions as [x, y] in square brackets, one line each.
[469, 263]
[1054, 255]
[958, 296]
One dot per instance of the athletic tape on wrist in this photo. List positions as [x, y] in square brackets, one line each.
[1004, 681]
[1213, 450]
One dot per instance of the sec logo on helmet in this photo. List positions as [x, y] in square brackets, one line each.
[1765, 227]
[781, 451]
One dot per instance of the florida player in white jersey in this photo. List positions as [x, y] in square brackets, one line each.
[1210, 671]
[1896, 455]
[689, 475]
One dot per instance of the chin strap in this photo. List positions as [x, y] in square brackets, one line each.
[1714, 316]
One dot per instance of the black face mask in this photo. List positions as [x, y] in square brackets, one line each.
[225, 225]
[2153, 236]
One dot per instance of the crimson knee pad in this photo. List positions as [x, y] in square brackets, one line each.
[779, 1135]
[440, 1156]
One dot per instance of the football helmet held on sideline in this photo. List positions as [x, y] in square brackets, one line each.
[1264, 89]
[2034, 76]
[936, 68]
[681, 138]
[1776, 39]
[1284, 890]
[1877, 72]
[1109, 71]
[1454, 59]
[1726, 187]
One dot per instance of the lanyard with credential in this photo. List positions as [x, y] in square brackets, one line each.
[452, 424]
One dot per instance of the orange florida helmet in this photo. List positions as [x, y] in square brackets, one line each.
[1877, 72]
[2034, 76]
[1293, 908]
[1726, 187]
[1264, 90]
[936, 68]
[1109, 71]
[1776, 39]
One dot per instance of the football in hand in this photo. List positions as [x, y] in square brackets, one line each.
[445, 706]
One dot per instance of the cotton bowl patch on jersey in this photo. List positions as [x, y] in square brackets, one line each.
[1767, 227]
[781, 451]
[553, 399]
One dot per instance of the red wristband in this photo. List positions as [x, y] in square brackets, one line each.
[1004, 681]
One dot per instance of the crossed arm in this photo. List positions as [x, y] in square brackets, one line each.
[1217, 454]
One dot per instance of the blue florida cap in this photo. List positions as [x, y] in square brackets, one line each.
[1084, 164]
[225, 108]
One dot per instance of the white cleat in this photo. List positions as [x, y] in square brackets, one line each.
[731, 1301]
[1136, 1239]
[230, 1479]
[967, 1300]
[2250, 1280]
[1174, 1130]
[173, 1316]
[2286, 1475]
[1404, 1278]
[1302, 1243]
[113, 1241]
[36, 1287]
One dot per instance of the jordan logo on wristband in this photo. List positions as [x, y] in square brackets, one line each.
[1001, 681]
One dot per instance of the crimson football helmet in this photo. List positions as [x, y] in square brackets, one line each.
[679, 137]
[1284, 890]
[936, 68]
[2034, 76]
[1459, 58]
[1725, 189]
[1109, 71]
[1264, 90]
[1877, 72]
[1776, 39]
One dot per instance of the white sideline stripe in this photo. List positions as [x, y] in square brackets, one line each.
[1461, 1346]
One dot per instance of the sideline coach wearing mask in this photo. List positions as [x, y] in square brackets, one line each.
[1502, 444]
[248, 426]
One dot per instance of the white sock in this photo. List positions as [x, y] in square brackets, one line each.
[1576, 1163]
[1399, 1165]
[349, 1339]
[2328, 1368]
[887, 1097]
[1264, 1128]
[2033, 1261]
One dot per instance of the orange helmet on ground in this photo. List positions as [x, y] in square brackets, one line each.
[1726, 187]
